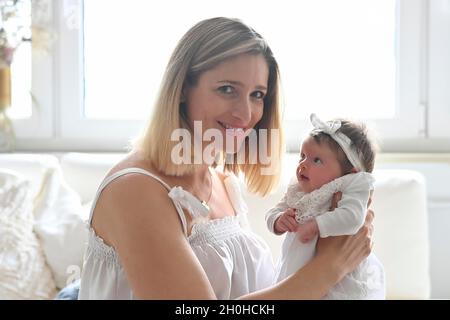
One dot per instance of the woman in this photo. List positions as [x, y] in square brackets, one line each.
[165, 230]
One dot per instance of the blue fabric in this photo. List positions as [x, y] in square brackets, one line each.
[69, 292]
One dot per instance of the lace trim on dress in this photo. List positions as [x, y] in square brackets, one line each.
[204, 231]
[213, 231]
[309, 205]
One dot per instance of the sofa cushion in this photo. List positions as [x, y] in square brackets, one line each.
[60, 224]
[24, 273]
[401, 232]
[31, 166]
[84, 172]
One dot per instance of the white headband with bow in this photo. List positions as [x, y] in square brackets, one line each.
[330, 128]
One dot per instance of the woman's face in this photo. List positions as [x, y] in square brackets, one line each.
[230, 98]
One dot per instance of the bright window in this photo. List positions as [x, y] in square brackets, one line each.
[379, 60]
[336, 57]
[340, 59]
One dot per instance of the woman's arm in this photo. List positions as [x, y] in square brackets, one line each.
[145, 230]
[313, 281]
[335, 257]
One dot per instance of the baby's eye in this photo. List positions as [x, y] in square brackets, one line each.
[317, 160]
[226, 89]
[302, 156]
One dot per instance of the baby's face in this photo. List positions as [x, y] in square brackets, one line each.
[318, 165]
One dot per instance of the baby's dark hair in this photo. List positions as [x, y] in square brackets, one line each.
[361, 142]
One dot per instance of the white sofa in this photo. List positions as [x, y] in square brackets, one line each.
[401, 232]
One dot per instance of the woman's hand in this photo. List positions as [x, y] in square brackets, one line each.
[307, 231]
[345, 253]
[336, 198]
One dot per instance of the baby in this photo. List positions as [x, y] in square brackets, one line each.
[336, 157]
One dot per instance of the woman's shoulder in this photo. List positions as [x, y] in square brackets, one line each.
[129, 198]
[124, 187]
[128, 165]
[134, 175]
[131, 160]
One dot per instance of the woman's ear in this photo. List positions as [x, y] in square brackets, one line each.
[354, 170]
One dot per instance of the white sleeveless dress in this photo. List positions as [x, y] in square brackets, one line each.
[235, 259]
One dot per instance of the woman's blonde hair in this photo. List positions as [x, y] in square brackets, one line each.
[203, 47]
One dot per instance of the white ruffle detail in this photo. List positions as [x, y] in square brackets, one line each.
[189, 202]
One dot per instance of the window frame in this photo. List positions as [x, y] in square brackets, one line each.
[408, 122]
[40, 124]
[439, 70]
[74, 125]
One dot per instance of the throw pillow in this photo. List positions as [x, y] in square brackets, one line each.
[24, 273]
[60, 225]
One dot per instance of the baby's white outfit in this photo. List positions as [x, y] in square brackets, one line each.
[235, 259]
[367, 281]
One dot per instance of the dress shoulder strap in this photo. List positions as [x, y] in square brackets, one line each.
[123, 172]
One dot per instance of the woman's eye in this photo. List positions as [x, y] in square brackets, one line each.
[226, 89]
[258, 95]
[317, 160]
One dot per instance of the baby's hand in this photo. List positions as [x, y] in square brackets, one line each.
[286, 222]
[308, 230]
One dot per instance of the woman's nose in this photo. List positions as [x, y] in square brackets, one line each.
[243, 111]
